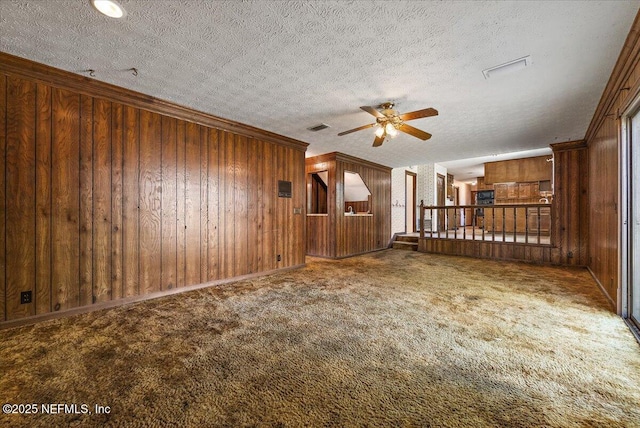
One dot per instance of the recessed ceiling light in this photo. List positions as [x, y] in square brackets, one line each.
[111, 8]
[508, 67]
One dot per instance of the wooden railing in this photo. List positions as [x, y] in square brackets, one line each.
[518, 223]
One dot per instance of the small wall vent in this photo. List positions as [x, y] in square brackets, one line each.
[318, 127]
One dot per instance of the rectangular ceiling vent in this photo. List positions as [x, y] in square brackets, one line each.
[508, 67]
[318, 127]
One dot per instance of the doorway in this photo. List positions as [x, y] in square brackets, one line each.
[410, 202]
[440, 196]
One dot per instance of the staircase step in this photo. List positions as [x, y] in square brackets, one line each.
[406, 238]
[403, 245]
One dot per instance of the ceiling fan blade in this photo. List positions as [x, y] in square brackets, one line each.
[418, 133]
[378, 141]
[360, 128]
[372, 111]
[427, 112]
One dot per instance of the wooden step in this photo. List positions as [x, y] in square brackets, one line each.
[406, 238]
[403, 245]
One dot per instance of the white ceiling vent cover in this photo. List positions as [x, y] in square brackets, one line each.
[508, 67]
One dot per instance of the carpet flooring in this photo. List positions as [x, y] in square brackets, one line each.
[391, 339]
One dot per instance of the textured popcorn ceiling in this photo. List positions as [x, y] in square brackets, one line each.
[286, 66]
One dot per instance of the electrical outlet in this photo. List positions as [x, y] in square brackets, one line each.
[279, 258]
[25, 297]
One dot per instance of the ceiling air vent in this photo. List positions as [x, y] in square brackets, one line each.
[507, 67]
[318, 127]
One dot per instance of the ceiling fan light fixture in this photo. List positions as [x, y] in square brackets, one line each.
[391, 130]
[379, 131]
[110, 8]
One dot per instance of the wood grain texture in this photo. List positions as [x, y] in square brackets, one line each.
[150, 202]
[169, 203]
[3, 206]
[181, 191]
[486, 250]
[240, 173]
[254, 205]
[130, 198]
[269, 198]
[106, 201]
[65, 251]
[213, 197]
[86, 201]
[204, 204]
[227, 217]
[603, 138]
[43, 200]
[102, 201]
[192, 204]
[20, 198]
[571, 197]
[117, 154]
[81, 84]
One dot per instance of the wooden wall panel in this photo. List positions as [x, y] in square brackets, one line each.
[181, 213]
[282, 220]
[269, 195]
[106, 200]
[204, 203]
[603, 138]
[227, 220]
[3, 149]
[43, 200]
[603, 182]
[254, 204]
[169, 244]
[65, 233]
[150, 182]
[486, 250]
[20, 198]
[130, 197]
[213, 196]
[102, 265]
[86, 201]
[240, 173]
[117, 118]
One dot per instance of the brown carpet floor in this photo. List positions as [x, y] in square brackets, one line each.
[393, 339]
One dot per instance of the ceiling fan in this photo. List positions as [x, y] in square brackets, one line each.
[389, 122]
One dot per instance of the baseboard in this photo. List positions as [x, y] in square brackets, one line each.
[134, 299]
[611, 301]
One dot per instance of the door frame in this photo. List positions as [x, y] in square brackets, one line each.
[408, 174]
[625, 264]
[441, 196]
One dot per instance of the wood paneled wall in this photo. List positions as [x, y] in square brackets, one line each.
[350, 235]
[603, 140]
[487, 250]
[104, 200]
[570, 228]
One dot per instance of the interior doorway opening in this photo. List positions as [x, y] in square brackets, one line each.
[410, 202]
